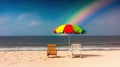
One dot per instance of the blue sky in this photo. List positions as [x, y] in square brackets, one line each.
[40, 17]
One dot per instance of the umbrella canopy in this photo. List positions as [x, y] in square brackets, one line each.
[68, 29]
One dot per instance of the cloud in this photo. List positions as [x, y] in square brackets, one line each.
[4, 19]
[1, 20]
[34, 23]
[23, 16]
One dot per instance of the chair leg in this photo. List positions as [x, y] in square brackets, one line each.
[81, 56]
[70, 54]
[48, 55]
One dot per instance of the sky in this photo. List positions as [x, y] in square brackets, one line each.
[41, 17]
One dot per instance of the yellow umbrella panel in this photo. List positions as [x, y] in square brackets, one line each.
[60, 29]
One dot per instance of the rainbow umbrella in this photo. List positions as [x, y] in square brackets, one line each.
[69, 29]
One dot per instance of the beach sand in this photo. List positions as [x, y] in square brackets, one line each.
[92, 58]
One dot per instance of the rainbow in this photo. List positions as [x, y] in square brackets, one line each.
[89, 12]
[85, 14]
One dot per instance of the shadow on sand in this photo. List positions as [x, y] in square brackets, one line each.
[57, 56]
[78, 56]
[89, 55]
[86, 55]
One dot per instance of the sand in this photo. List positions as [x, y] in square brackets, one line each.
[39, 59]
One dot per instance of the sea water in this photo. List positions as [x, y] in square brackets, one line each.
[62, 42]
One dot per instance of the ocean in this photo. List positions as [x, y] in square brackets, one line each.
[62, 42]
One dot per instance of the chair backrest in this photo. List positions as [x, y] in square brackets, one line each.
[76, 46]
[51, 46]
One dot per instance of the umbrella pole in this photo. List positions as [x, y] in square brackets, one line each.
[69, 42]
[69, 46]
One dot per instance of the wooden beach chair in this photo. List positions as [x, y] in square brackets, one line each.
[51, 49]
[75, 50]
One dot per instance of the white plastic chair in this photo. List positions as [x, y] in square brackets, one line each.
[75, 50]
